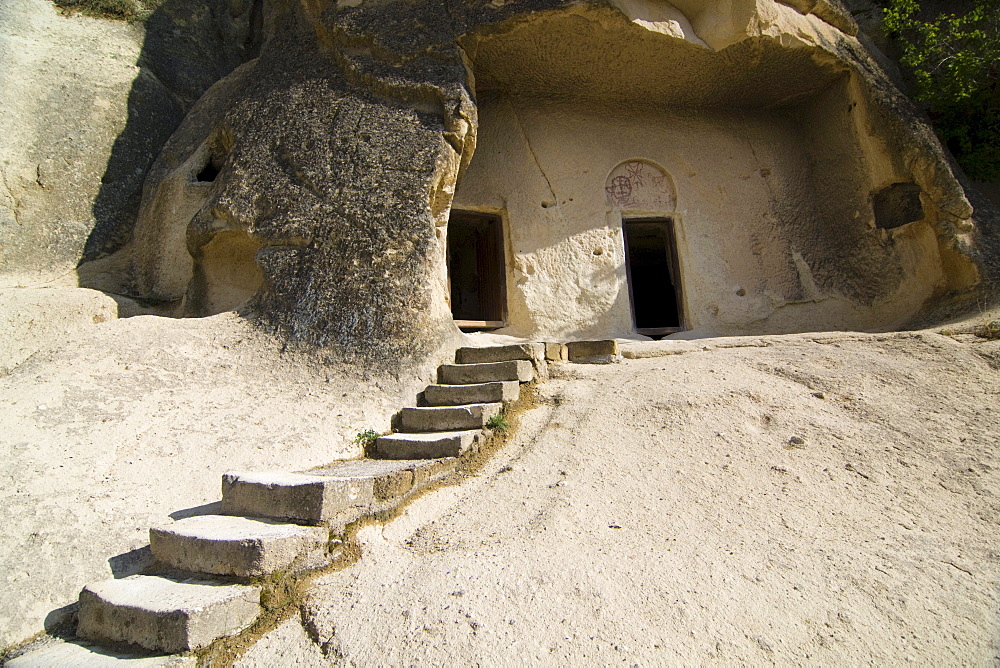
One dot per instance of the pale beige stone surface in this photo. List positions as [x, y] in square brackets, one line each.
[240, 546]
[447, 418]
[293, 496]
[475, 393]
[81, 654]
[426, 445]
[534, 352]
[592, 351]
[486, 372]
[36, 319]
[118, 425]
[163, 614]
[768, 163]
[742, 178]
[64, 86]
[287, 645]
[793, 499]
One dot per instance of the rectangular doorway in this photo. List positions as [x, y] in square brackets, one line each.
[476, 272]
[654, 287]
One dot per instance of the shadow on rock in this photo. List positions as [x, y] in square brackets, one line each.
[188, 46]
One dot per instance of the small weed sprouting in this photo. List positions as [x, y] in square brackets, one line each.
[366, 438]
[989, 331]
[498, 423]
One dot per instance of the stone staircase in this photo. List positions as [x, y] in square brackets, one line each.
[202, 586]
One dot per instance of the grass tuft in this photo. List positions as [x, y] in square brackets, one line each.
[990, 330]
[366, 438]
[498, 422]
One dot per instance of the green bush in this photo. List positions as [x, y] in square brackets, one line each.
[954, 63]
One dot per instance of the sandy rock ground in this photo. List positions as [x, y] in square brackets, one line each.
[111, 426]
[819, 497]
[808, 498]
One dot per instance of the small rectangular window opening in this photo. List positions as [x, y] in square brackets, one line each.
[653, 276]
[476, 271]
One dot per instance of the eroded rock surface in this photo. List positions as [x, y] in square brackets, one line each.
[821, 498]
[311, 188]
[87, 105]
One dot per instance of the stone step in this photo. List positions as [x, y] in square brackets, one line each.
[240, 546]
[463, 374]
[393, 479]
[476, 393]
[533, 352]
[299, 497]
[593, 352]
[336, 494]
[163, 614]
[427, 445]
[447, 418]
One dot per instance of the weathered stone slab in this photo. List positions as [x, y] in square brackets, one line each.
[426, 446]
[475, 393]
[434, 468]
[237, 546]
[593, 352]
[457, 374]
[556, 352]
[448, 418]
[390, 479]
[293, 496]
[393, 477]
[519, 351]
[165, 615]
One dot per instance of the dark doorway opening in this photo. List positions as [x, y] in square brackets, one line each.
[476, 274]
[653, 276]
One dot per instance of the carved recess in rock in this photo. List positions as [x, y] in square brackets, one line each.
[897, 205]
[640, 185]
[345, 141]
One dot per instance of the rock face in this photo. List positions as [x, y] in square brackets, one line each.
[87, 106]
[64, 85]
[312, 187]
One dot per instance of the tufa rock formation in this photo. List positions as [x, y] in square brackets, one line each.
[792, 187]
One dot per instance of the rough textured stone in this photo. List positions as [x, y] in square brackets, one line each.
[88, 104]
[339, 150]
[520, 351]
[287, 645]
[476, 393]
[432, 445]
[165, 615]
[67, 310]
[448, 418]
[437, 467]
[556, 352]
[294, 496]
[593, 352]
[64, 96]
[456, 374]
[390, 479]
[297, 219]
[238, 546]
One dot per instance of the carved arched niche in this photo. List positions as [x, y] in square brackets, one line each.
[640, 185]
